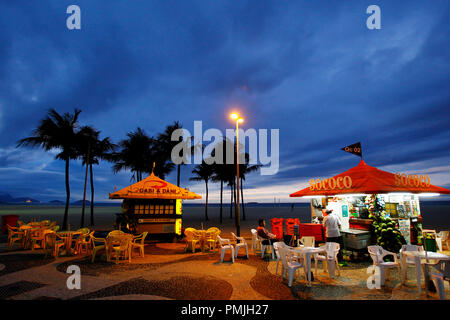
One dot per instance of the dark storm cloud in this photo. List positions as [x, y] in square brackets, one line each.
[310, 68]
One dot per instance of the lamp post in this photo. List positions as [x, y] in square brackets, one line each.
[238, 119]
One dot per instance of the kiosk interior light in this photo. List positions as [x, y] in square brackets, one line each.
[313, 197]
[354, 195]
[423, 194]
[428, 194]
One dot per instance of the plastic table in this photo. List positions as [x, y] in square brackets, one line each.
[418, 257]
[307, 253]
[67, 236]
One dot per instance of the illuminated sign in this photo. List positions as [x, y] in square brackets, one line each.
[156, 220]
[404, 180]
[155, 187]
[331, 183]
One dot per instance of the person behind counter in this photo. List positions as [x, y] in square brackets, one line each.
[332, 223]
[263, 233]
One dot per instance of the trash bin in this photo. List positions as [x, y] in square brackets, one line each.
[430, 245]
[10, 219]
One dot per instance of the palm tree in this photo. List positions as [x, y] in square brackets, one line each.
[166, 145]
[203, 172]
[101, 149]
[222, 172]
[86, 137]
[57, 132]
[91, 149]
[138, 153]
[131, 156]
[245, 169]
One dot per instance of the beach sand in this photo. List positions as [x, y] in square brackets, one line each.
[434, 216]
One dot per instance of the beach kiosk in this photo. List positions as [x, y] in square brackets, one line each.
[347, 195]
[155, 205]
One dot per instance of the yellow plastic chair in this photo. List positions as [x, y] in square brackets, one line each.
[119, 246]
[217, 232]
[97, 245]
[211, 239]
[14, 234]
[53, 244]
[116, 233]
[192, 238]
[51, 225]
[138, 242]
[38, 238]
[83, 241]
[45, 223]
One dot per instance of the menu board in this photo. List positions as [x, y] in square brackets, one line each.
[405, 229]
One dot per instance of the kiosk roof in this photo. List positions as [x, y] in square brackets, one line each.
[153, 187]
[366, 179]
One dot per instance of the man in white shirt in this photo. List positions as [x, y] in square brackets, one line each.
[332, 223]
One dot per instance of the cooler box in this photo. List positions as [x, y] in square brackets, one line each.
[11, 220]
[356, 239]
[312, 230]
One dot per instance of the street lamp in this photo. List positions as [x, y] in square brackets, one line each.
[238, 120]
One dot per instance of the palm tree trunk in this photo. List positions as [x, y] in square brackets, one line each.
[221, 195]
[242, 201]
[66, 210]
[231, 202]
[85, 186]
[178, 174]
[83, 208]
[92, 194]
[206, 205]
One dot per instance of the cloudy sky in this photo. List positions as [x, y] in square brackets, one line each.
[311, 69]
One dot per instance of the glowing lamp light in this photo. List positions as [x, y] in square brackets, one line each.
[236, 117]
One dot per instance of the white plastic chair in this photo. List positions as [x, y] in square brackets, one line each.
[409, 260]
[225, 245]
[276, 247]
[330, 260]
[377, 254]
[256, 243]
[308, 241]
[289, 264]
[241, 244]
[266, 246]
[441, 273]
[441, 237]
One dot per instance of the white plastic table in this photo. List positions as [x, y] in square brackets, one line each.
[418, 256]
[307, 252]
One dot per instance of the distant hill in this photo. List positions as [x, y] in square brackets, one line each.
[80, 203]
[7, 198]
[59, 202]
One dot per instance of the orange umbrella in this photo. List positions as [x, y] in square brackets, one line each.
[366, 179]
[153, 187]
